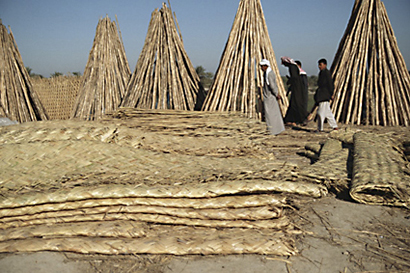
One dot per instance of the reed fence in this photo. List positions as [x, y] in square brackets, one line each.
[58, 94]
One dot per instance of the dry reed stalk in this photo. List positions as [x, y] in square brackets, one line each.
[371, 78]
[237, 83]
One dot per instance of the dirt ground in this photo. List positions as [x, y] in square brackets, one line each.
[338, 236]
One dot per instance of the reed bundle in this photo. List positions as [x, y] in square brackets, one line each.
[164, 77]
[106, 74]
[238, 81]
[18, 100]
[372, 82]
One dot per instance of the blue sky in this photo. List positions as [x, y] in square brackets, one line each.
[57, 35]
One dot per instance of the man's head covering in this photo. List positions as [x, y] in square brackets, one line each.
[264, 62]
[287, 60]
[267, 63]
[302, 72]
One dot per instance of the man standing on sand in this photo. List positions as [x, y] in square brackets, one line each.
[323, 95]
[271, 96]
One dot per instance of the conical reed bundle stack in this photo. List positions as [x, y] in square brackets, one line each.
[18, 99]
[106, 74]
[372, 83]
[238, 80]
[164, 77]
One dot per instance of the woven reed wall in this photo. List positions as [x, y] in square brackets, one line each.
[58, 94]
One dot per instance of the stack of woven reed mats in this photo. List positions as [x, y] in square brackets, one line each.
[372, 166]
[147, 182]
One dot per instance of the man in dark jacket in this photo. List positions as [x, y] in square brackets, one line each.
[297, 110]
[303, 75]
[323, 96]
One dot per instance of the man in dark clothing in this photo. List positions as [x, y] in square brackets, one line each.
[297, 111]
[323, 96]
[304, 77]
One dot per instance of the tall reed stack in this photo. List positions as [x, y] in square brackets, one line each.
[238, 80]
[18, 100]
[372, 83]
[106, 74]
[164, 77]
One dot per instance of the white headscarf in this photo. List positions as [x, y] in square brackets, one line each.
[267, 63]
[288, 60]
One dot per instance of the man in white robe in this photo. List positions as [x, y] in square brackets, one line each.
[273, 116]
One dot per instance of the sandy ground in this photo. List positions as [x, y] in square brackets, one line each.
[338, 236]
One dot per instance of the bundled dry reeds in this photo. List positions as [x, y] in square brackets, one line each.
[238, 80]
[164, 77]
[106, 74]
[18, 99]
[372, 83]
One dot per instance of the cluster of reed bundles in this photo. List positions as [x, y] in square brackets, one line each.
[101, 188]
[373, 168]
[164, 77]
[372, 82]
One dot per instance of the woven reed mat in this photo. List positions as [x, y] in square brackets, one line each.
[275, 224]
[372, 167]
[331, 167]
[256, 213]
[186, 171]
[121, 229]
[379, 176]
[175, 240]
[66, 164]
[236, 201]
[188, 133]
